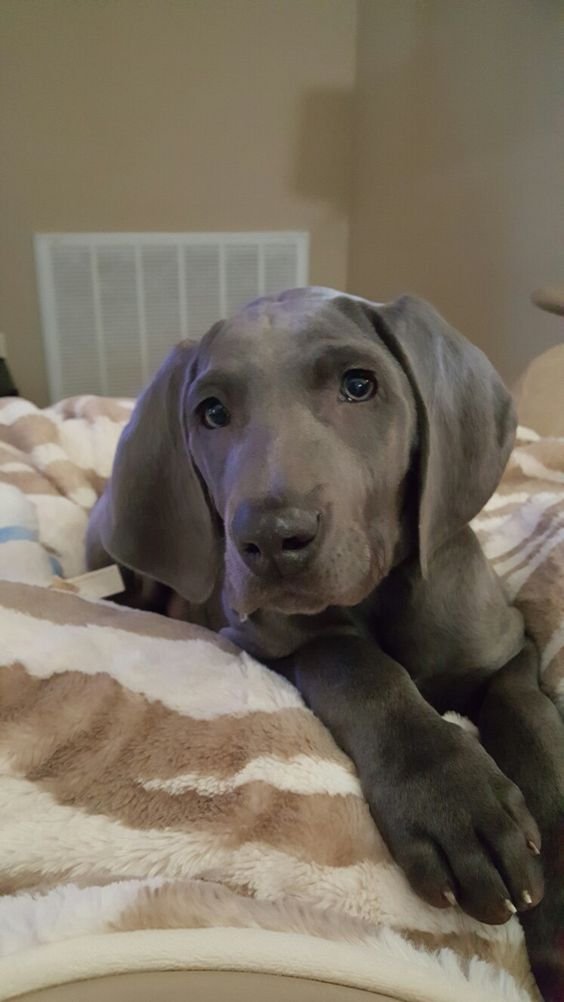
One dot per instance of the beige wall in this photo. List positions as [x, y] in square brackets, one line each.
[170, 115]
[458, 189]
[242, 114]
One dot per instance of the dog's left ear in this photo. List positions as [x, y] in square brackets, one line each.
[155, 516]
[465, 414]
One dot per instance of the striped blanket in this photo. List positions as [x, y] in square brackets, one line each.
[162, 791]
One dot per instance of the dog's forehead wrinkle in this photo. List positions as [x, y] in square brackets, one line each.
[270, 333]
[298, 310]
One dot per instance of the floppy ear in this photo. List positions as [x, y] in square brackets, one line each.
[156, 518]
[465, 414]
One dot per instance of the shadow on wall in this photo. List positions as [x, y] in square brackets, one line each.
[322, 155]
[456, 165]
[433, 204]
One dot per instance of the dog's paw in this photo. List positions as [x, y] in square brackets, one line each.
[460, 830]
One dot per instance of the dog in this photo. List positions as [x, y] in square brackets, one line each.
[304, 478]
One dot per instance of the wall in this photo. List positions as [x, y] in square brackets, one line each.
[169, 115]
[458, 184]
[230, 114]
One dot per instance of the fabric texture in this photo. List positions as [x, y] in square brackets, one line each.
[156, 782]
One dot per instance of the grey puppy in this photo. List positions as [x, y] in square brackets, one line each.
[304, 478]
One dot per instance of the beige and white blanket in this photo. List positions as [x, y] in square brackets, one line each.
[165, 801]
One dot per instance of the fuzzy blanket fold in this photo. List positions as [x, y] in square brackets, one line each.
[154, 778]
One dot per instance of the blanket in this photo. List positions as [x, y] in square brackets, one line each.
[157, 782]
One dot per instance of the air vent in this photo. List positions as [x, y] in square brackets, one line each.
[112, 304]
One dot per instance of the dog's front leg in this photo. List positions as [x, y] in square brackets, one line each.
[455, 824]
[522, 729]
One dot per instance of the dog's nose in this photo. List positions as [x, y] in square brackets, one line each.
[275, 539]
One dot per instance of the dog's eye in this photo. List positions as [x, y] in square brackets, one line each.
[213, 414]
[358, 385]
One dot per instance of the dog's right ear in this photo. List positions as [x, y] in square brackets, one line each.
[466, 417]
[155, 516]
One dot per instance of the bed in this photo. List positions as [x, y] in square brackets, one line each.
[175, 823]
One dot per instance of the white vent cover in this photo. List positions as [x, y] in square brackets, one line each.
[112, 304]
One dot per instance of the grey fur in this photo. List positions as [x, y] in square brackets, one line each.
[396, 614]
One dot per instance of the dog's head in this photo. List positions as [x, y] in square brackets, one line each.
[307, 446]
